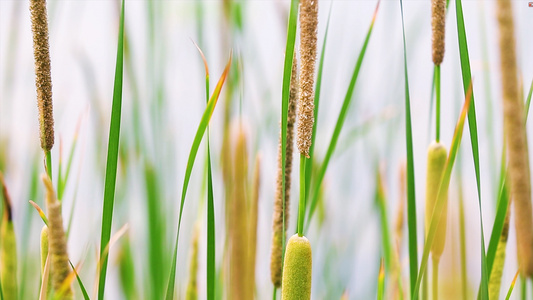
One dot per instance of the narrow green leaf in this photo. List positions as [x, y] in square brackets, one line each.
[411, 198]
[211, 267]
[381, 281]
[204, 122]
[340, 119]
[82, 287]
[528, 100]
[112, 157]
[512, 286]
[287, 71]
[472, 125]
[444, 184]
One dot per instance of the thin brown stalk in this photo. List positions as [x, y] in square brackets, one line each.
[278, 234]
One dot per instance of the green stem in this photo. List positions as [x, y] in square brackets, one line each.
[435, 278]
[274, 292]
[437, 85]
[301, 205]
[48, 163]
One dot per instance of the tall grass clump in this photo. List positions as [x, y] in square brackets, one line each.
[43, 78]
[8, 248]
[282, 200]
[516, 136]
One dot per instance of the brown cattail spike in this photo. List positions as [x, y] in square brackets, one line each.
[515, 133]
[56, 240]
[438, 25]
[278, 234]
[308, 42]
[43, 80]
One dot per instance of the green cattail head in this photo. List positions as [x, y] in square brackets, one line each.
[8, 248]
[278, 234]
[44, 247]
[514, 129]
[436, 163]
[43, 79]
[308, 44]
[297, 269]
[57, 241]
[438, 25]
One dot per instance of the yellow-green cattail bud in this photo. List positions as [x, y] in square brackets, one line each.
[44, 247]
[438, 25]
[43, 79]
[192, 287]
[278, 234]
[297, 269]
[8, 248]
[514, 129]
[60, 268]
[436, 163]
[308, 43]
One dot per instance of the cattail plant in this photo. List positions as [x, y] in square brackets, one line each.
[296, 282]
[43, 79]
[436, 163]
[280, 220]
[8, 248]
[514, 130]
[297, 269]
[57, 241]
[44, 247]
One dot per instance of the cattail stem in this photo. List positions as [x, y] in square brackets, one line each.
[437, 91]
[301, 204]
[48, 163]
[515, 132]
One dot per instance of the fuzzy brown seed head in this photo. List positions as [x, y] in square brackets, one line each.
[43, 80]
[277, 219]
[308, 44]
[438, 25]
[515, 132]
[56, 240]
